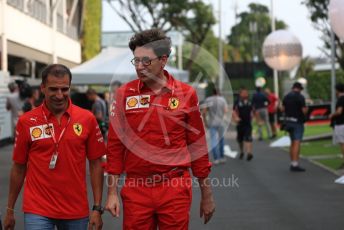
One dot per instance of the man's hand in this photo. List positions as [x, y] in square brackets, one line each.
[207, 208]
[9, 221]
[95, 221]
[112, 204]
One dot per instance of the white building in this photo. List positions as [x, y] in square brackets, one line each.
[35, 33]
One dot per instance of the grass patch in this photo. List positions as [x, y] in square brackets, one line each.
[310, 130]
[321, 147]
[314, 130]
[334, 163]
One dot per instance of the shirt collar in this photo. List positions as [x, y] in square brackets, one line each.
[169, 84]
[49, 113]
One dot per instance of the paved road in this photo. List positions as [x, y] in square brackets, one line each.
[266, 196]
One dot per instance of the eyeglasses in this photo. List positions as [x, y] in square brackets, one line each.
[146, 61]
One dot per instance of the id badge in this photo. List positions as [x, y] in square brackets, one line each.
[53, 161]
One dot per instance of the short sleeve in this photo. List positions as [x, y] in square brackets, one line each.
[21, 143]
[95, 140]
[341, 102]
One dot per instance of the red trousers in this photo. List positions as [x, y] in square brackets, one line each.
[165, 205]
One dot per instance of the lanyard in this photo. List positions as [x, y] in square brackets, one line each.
[53, 160]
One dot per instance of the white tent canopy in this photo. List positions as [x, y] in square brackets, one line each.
[113, 64]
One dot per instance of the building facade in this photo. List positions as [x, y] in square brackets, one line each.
[35, 33]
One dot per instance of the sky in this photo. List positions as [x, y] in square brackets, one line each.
[292, 12]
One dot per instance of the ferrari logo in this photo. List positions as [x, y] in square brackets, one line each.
[77, 129]
[144, 100]
[48, 130]
[173, 103]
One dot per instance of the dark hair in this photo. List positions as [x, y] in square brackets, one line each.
[258, 89]
[56, 70]
[215, 91]
[154, 39]
[25, 90]
[115, 83]
[297, 85]
[242, 88]
[12, 86]
[340, 87]
[91, 91]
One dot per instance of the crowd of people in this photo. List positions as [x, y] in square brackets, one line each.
[53, 141]
[150, 129]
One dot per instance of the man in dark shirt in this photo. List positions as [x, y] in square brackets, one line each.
[98, 109]
[337, 118]
[260, 104]
[242, 114]
[294, 107]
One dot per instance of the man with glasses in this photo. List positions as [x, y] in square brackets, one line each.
[49, 158]
[156, 135]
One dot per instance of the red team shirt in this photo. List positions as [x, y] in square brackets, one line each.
[60, 192]
[152, 133]
[272, 103]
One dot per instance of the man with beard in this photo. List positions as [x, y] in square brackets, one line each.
[156, 135]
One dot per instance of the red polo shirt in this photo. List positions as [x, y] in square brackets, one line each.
[153, 133]
[60, 192]
[273, 100]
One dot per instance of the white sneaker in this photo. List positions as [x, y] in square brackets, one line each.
[223, 160]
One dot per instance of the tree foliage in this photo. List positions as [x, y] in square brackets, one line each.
[91, 32]
[306, 67]
[193, 18]
[319, 15]
[248, 35]
[319, 84]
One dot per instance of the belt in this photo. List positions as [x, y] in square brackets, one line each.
[292, 119]
[158, 177]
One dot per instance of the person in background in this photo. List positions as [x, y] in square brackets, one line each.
[14, 103]
[260, 103]
[337, 119]
[242, 115]
[272, 110]
[33, 101]
[98, 109]
[214, 115]
[295, 110]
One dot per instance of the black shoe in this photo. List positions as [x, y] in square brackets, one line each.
[241, 156]
[249, 157]
[297, 169]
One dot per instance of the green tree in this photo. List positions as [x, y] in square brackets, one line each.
[319, 84]
[319, 16]
[248, 35]
[193, 18]
[306, 67]
[91, 31]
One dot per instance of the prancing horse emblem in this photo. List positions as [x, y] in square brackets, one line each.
[77, 129]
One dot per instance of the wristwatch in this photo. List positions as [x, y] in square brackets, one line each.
[98, 208]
